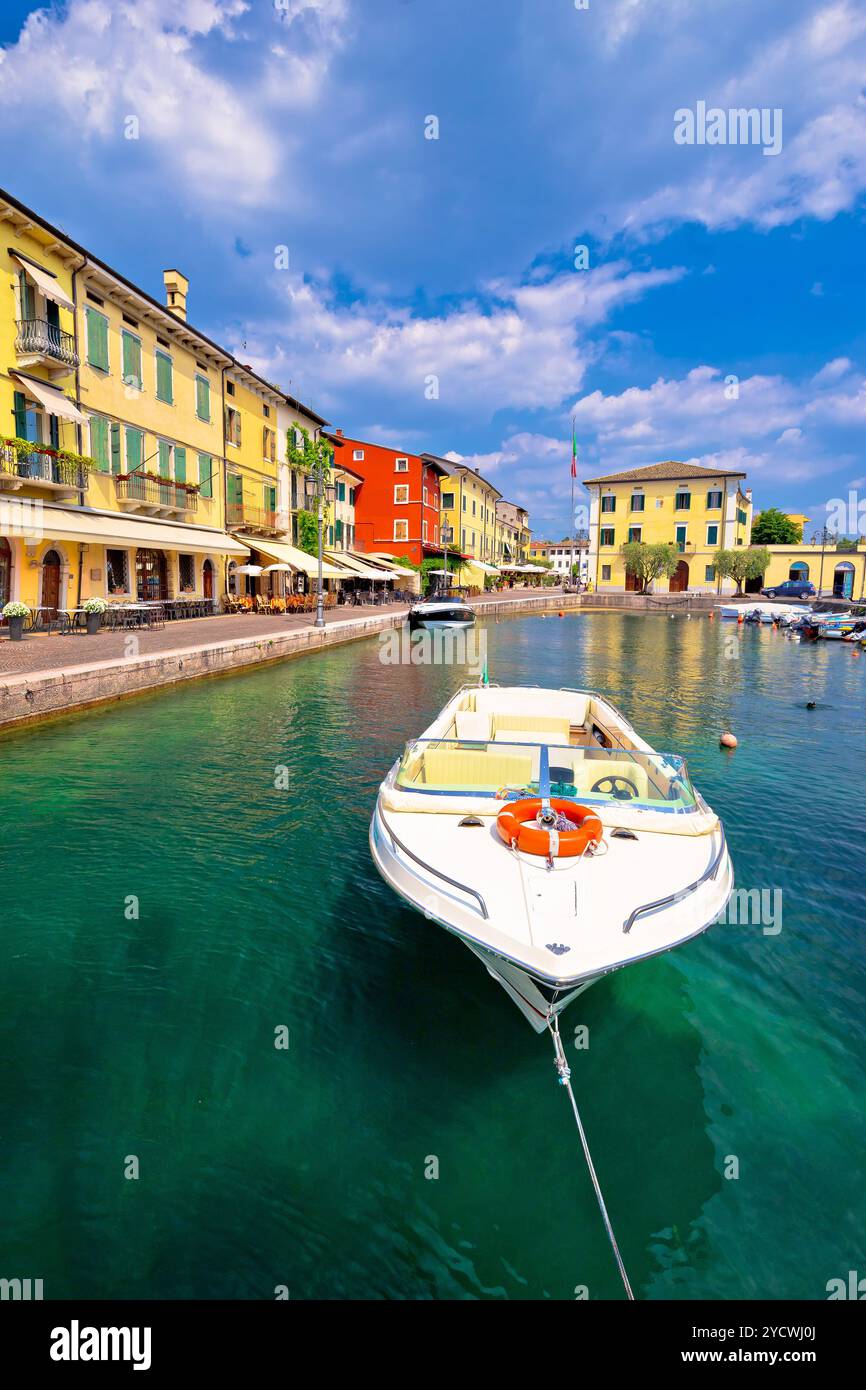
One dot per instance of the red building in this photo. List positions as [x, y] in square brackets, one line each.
[397, 504]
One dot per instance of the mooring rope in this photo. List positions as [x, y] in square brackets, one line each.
[564, 1071]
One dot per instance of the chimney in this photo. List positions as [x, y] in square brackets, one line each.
[339, 432]
[176, 287]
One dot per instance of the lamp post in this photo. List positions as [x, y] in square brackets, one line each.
[319, 491]
[446, 533]
[824, 535]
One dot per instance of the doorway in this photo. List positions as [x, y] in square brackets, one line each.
[51, 566]
[843, 580]
[207, 579]
[151, 578]
[5, 571]
[680, 578]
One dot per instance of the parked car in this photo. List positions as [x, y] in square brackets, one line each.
[792, 588]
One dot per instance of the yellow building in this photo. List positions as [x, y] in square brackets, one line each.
[834, 572]
[468, 506]
[699, 510]
[111, 481]
[513, 535]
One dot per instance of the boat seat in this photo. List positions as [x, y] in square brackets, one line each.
[559, 729]
[561, 704]
[467, 768]
[471, 727]
[557, 737]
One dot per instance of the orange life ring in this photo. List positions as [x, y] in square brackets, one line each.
[516, 823]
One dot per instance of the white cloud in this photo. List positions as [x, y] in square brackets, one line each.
[527, 348]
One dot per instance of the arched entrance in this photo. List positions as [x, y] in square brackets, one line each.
[51, 567]
[151, 576]
[799, 570]
[207, 578]
[5, 571]
[680, 578]
[843, 580]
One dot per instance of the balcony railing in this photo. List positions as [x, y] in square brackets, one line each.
[50, 468]
[146, 493]
[242, 517]
[39, 338]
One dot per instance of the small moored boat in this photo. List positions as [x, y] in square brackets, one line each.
[439, 613]
[543, 831]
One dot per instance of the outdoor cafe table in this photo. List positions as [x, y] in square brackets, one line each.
[36, 616]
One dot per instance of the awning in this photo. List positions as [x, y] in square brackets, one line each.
[298, 559]
[50, 398]
[355, 568]
[384, 561]
[116, 528]
[45, 281]
[481, 565]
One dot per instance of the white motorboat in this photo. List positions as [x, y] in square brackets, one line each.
[441, 613]
[538, 827]
[766, 612]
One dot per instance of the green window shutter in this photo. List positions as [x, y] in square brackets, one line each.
[28, 297]
[205, 471]
[164, 459]
[115, 448]
[164, 391]
[20, 415]
[202, 398]
[270, 498]
[235, 488]
[131, 360]
[97, 339]
[134, 451]
[180, 465]
[338, 530]
[99, 443]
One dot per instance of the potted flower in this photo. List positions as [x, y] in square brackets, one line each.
[15, 613]
[93, 609]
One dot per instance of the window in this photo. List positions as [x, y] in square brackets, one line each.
[97, 339]
[357, 455]
[266, 411]
[202, 397]
[115, 449]
[269, 497]
[741, 516]
[351, 497]
[714, 500]
[186, 573]
[233, 426]
[338, 531]
[164, 385]
[608, 504]
[713, 533]
[131, 359]
[269, 444]
[164, 458]
[473, 506]
[205, 475]
[447, 501]
[605, 574]
[401, 492]
[424, 496]
[709, 574]
[637, 501]
[401, 465]
[606, 535]
[401, 530]
[634, 533]
[117, 571]
[681, 538]
[330, 535]
[463, 500]
[341, 492]
[230, 388]
[424, 530]
[179, 464]
[683, 501]
[99, 443]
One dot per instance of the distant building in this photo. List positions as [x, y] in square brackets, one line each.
[397, 499]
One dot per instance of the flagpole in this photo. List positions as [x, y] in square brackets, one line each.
[571, 565]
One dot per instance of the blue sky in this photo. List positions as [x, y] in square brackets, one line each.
[301, 124]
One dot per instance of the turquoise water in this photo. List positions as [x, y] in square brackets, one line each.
[258, 908]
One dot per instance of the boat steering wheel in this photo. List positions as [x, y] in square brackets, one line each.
[620, 788]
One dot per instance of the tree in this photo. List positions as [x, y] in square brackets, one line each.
[772, 527]
[742, 563]
[647, 562]
[308, 533]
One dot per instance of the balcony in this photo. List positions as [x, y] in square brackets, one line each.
[240, 516]
[151, 495]
[43, 344]
[55, 470]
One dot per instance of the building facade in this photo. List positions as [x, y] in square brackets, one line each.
[513, 535]
[699, 510]
[469, 508]
[396, 501]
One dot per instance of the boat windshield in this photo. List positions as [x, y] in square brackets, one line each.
[500, 770]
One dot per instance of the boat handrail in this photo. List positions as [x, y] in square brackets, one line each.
[597, 695]
[682, 892]
[455, 883]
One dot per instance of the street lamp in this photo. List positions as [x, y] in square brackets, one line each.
[446, 534]
[318, 491]
[824, 535]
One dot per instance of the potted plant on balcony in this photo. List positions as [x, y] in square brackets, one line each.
[15, 613]
[93, 611]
